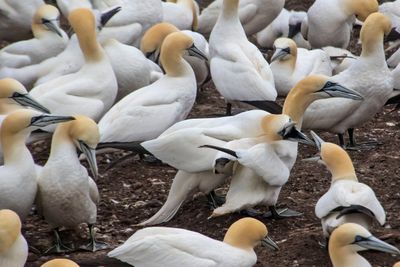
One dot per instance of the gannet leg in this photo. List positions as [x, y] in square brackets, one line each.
[341, 140]
[228, 109]
[281, 213]
[250, 212]
[214, 201]
[93, 244]
[58, 247]
[362, 146]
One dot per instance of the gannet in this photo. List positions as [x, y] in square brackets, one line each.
[330, 22]
[164, 246]
[60, 263]
[49, 40]
[368, 75]
[254, 15]
[179, 145]
[13, 248]
[67, 196]
[154, 37]
[181, 13]
[92, 90]
[347, 200]
[17, 15]
[238, 69]
[17, 175]
[350, 238]
[154, 108]
[290, 64]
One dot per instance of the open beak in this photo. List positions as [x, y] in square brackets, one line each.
[289, 132]
[47, 119]
[52, 27]
[90, 154]
[336, 90]
[280, 53]
[108, 14]
[268, 242]
[27, 101]
[294, 29]
[195, 52]
[376, 244]
[317, 140]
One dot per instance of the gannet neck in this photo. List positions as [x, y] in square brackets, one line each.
[230, 9]
[372, 36]
[83, 22]
[345, 257]
[245, 233]
[62, 143]
[296, 104]
[14, 148]
[171, 54]
[338, 162]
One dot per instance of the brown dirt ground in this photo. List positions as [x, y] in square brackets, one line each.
[133, 191]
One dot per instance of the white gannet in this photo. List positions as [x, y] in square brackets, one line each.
[254, 15]
[17, 175]
[238, 69]
[154, 108]
[350, 238]
[164, 246]
[60, 263]
[49, 40]
[368, 75]
[13, 248]
[179, 145]
[17, 15]
[154, 37]
[347, 200]
[181, 13]
[129, 25]
[67, 196]
[330, 22]
[290, 64]
[131, 68]
[287, 24]
[92, 90]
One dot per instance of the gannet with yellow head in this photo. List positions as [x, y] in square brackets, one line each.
[92, 90]
[60, 263]
[350, 238]
[175, 246]
[347, 200]
[49, 40]
[13, 246]
[18, 175]
[195, 165]
[67, 195]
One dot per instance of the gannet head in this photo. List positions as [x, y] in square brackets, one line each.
[247, 233]
[361, 8]
[173, 48]
[153, 38]
[48, 18]
[84, 132]
[285, 49]
[13, 90]
[397, 264]
[353, 237]
[312, 88]
[281, 127]
[335, 158]
[10, 229]
[60, 263]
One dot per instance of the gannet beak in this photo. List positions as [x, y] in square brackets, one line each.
[46, 119]
[317, 140]
[336, 90]
[90, 154]
[108, 14]
[195, 52]
[289, 132]
[27, 101]
[375, 244]
[50, 25]
[280, 53]
[393, 35]
[268, 242]
[294, 29]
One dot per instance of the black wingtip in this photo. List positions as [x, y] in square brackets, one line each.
[269, 106]
[222, 149]
[127, 146]
[354, 209]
